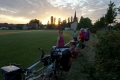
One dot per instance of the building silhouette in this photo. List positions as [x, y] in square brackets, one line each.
[74, 23]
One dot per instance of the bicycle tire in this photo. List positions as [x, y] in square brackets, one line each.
[50, 76]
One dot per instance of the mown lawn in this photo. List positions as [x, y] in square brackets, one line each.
[21, 46]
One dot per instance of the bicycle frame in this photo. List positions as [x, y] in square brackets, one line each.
[43, 75]
[50, 75]
[32, 70]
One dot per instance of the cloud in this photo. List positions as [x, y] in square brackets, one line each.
[43, 9]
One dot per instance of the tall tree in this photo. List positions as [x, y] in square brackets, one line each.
[100, 23]
[71, 19]
[35, 21]
[80, 22]
[119, 9]
[84, 23]
[48, 22]
[111, 13]
[77, 19]
[59, 22]
[63, 24]
[51, 19]
[54, 20]
[68, 20]
[68, 24]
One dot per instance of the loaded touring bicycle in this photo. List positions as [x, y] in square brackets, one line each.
[56, 62]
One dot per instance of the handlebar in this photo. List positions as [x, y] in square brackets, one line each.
[42, 51]
[44, 58]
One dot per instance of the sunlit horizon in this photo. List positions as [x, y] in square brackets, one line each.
[22, 20]
[22, 11]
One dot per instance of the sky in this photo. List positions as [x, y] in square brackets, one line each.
[22, 11]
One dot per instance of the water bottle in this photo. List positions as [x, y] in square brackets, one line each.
[50, 68]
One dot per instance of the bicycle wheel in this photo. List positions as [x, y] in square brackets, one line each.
[50, 76]
[59, 74]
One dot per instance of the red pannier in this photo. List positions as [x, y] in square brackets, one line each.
[75, 54]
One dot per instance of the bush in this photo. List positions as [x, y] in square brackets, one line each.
[107, 60]
[117, 26]
[107, 57]
[93, 30]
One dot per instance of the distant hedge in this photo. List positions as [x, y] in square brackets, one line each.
[93, 30]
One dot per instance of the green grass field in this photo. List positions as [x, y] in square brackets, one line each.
[21, 46]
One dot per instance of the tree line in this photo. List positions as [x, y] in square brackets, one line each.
[107, 19]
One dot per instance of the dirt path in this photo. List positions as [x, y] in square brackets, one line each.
[88, 54]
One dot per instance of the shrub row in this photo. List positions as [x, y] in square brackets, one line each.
[107, 59]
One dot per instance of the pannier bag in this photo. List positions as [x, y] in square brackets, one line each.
[83, 46]
[11, 72]
[75, 54]
[64, 58]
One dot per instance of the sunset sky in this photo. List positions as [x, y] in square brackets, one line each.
[22, 11]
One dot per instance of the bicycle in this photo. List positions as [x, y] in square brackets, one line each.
[14, 72]
[59, 62]
[55, 66]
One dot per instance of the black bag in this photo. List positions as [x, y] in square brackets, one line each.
[12, 72]
[65, 64]
[83, 46]
[64, 61]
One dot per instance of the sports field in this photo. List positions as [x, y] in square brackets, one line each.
[21, 46]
